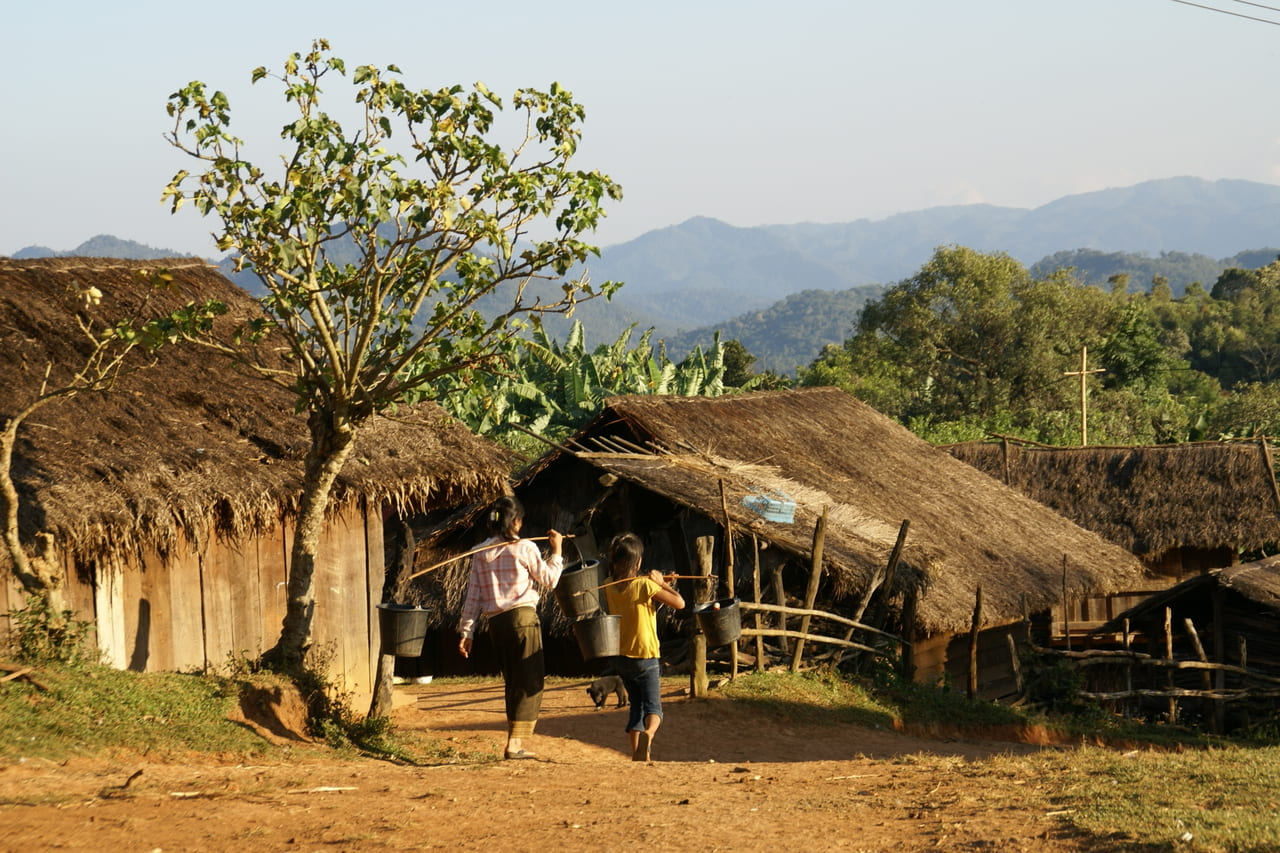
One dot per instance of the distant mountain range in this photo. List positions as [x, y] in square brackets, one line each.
[787, 290]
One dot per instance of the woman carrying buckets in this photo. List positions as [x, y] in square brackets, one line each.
[501, 587]
[639, 664]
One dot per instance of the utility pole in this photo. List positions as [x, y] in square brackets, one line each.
[1083, 373]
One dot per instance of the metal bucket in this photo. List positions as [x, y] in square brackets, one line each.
[577, 592]
[402, 629]
[599, 636]
[720, 621]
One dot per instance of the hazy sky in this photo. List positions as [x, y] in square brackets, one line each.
[751, 112]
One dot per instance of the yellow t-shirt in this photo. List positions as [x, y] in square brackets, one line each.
[639, 625]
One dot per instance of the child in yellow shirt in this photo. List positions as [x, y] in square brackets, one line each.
[639, 665]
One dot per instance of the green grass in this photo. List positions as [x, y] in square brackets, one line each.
[94, 710]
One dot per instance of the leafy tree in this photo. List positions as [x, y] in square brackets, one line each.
[1132, 352]
[1252, 338]
[1252, 409]
[972, 337]
[973, 344]
[374, 243]
[737, 363]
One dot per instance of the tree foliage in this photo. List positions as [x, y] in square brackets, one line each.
[375, 240]
[975, 344]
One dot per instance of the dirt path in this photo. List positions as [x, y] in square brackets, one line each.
[719, 781]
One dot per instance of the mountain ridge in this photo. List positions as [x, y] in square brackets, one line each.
[686, 279]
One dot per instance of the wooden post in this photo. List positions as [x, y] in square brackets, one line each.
[975, 627]
[1220, 653]
[382, 702]
[907, 662]
[704, 547]
[1066, 606]
[815, 575]
[1015, 664]
[1270, 468]
[886, 586]
[730, 586]
[1127, 639]
[1083, 373]
[755, 594]
[1168, 653]
[780, 597]
[1206, 679]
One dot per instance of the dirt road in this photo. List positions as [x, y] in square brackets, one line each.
[721, 779]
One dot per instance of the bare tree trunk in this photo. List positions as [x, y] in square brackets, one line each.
[41, 575]
[331, 442]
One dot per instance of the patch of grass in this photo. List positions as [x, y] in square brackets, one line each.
[1217, 799]
[90, 709]
[810, 697]
[825, 697]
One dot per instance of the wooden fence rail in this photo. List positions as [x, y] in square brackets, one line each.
[815, 638]
[821, 614]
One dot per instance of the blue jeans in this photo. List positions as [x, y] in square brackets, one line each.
[643, 679]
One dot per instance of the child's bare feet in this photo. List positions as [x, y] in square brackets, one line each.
[642, 747]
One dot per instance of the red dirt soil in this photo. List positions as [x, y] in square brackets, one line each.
[719, 780]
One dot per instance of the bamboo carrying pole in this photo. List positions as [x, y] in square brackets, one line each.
[483, 548]
[624, 580]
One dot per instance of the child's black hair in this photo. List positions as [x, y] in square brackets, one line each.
[625, 552]
[504, 517]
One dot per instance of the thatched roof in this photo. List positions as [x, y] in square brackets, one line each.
[824, 448]
[1258, 582]
[189, 445]
[1146, 499]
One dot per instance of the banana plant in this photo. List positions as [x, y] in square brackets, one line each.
[553, 388]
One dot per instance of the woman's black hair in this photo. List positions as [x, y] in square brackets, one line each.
[504, 518]
[625, 553]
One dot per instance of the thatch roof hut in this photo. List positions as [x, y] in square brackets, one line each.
[1182, 508]
[175, 489]
[1231, 615]
[826, 450]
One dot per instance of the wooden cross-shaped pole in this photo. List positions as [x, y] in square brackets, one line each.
[1083, 373]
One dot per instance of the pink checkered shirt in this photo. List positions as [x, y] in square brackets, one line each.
[503, 578]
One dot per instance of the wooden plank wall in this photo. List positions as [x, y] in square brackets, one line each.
[11, 598]
[944, 660]
[108, 613]
[375, 573]
[200, 608]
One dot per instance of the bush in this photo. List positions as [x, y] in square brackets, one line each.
[41, 636]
